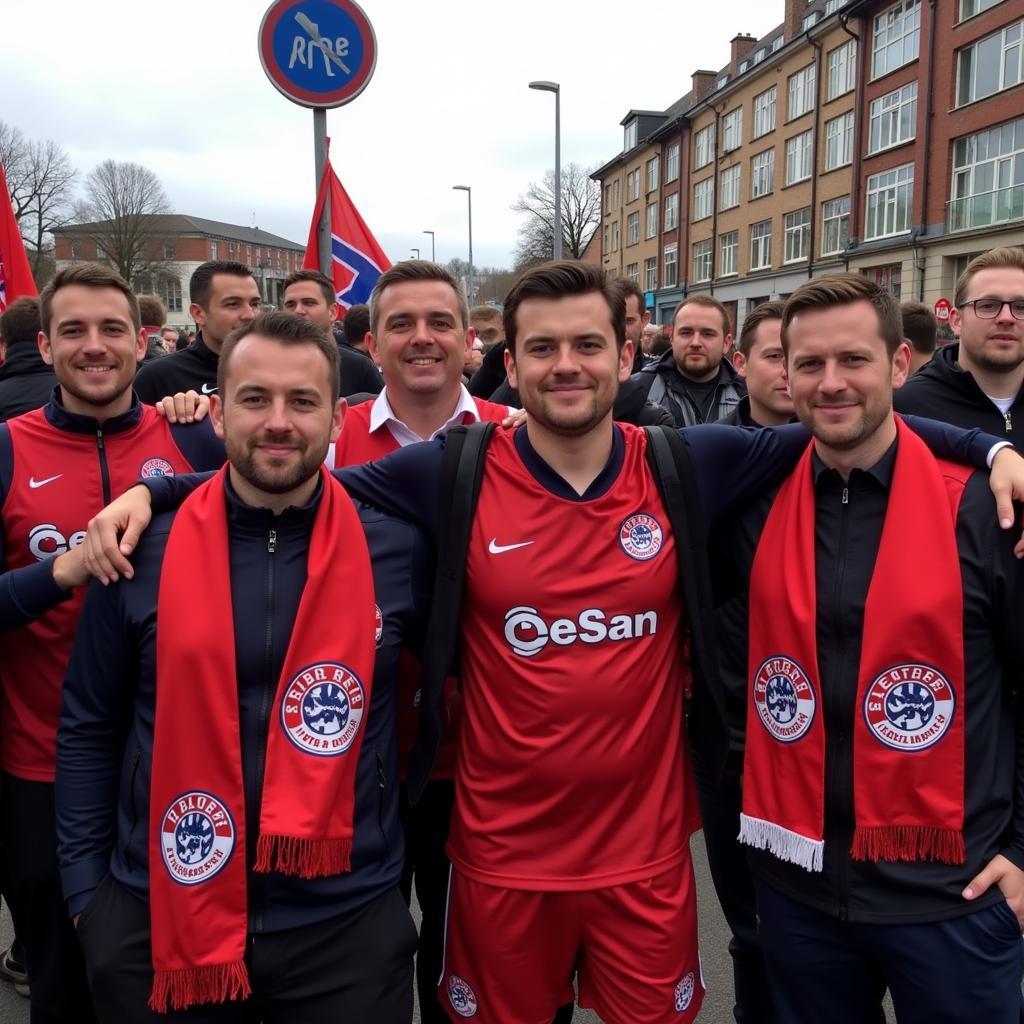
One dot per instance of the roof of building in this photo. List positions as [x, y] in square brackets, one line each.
[179, 224]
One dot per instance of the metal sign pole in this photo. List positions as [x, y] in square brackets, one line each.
[320, 160]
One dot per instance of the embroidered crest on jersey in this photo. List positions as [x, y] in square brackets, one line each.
[684, 992]
[378, 627]
[156, 467]
[322, 709]
[461, 996]
[197, 837]
[909, 706]
[784, 698]
[641, 536]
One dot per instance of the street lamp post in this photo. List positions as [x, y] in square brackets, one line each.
[417, 256]
[469, 198]
[433, 254]
[557, 228]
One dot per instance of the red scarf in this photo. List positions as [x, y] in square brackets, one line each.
[197, 813]
[908, 740]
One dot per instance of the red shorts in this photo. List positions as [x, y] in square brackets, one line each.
[510, 954]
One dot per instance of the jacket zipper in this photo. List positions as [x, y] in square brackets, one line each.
[382, 782]
[101, 451]
[1009, 423]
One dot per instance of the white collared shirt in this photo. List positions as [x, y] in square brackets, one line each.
[381, 414]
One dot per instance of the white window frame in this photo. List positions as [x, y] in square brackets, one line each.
[651, 220]
[801, 93]
[764, 112]
[702, 253]
[633, 272]
[651, 274]
[762, 172]
[1008, 39]
[799, 152]
[979, 7]
[703, 199]
[629, 136]
[670, 280]
[777, 43]
[729, 188]
[839, 141]
[732, 130]
[1002, 166]
[797, 235]
[616, 236]
[653, 172]
[841, 76]
[703, 147]
[729, 250]
[671, 211]
[835, 221]
[633, 185]
[633, 228]
[761, 245]
[890, 116]
[672, 163]
[895, 37]
[887, 193]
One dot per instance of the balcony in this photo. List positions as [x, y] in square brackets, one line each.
[986, 208]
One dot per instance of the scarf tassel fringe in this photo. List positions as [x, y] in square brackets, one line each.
[908, 843]
[189, 986]
[782, 842]
[306, 858]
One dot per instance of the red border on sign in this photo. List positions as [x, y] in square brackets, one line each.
[356, 84]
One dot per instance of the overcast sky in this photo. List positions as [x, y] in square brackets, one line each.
[177, 85]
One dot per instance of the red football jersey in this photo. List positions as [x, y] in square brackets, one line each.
[56, 488]
[571, 765]
[356, 445]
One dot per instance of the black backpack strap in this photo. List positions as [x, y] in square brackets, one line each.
[459, 489]
[670, 462]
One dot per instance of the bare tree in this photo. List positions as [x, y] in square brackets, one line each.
[41, 179]
[122, 199]
[581, 211]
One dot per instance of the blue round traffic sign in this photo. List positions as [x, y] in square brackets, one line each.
[318, 53]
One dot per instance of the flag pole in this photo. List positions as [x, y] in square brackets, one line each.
[320, 160]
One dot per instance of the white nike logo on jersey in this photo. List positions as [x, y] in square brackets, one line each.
[34, 483]
[498, 549]
[207, 390]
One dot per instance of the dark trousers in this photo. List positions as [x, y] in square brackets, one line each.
[53, 959]
[965, 970]
[355, 969]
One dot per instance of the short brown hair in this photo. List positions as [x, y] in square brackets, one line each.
[19, 322]
[483, 317]
[556, 280]
[1011, 256]
[711, 303]
[919, 326]
[286, 329]
[89, 275]
[152, 311]
[200, 285]
[626, 287]
[754, 319]
[843, 290]
[416, 270]
[325, 283]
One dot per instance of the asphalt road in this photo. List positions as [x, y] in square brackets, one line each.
[714, 951]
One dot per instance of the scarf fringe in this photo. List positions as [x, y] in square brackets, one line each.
[782, 842]
[908, 843]
[189, 986]
[306, 858]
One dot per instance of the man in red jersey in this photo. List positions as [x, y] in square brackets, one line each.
[58, 466]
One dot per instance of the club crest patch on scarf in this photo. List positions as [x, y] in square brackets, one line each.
[909, 706]
[322, 709]
[784, 698]
[197, 837]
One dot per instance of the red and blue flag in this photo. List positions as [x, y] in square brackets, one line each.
[15, 273]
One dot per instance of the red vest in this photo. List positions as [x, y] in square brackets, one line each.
[56, 487]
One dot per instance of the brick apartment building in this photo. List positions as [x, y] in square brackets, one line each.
[179, 243]
[887, 138]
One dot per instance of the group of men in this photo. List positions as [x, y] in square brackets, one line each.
[227, 814]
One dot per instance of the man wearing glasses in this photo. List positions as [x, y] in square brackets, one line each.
[980, 382]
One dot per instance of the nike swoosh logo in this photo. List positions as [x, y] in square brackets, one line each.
[207, 390]
[34, 483]
[498, 549]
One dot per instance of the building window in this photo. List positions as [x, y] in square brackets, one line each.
[213, 250]
[702, 260]
[617, 193]
[810, 20]
[764, 112]
[730, 248]
[629, 136]
[608, 198]
[633, 228]
[761, 245]
[729, 190]
[722, 82]
[988, 177]
[831, 6]
[762, 173]
[671, 212]
[653, 173]
[835, 225]
[172, 294]
[801, 92]
[672, 163]
[651, 274]
[798, 158]
[777, 43]
[732, 130]
[744, 64]
[633, 272]
[76, 248]
[969, 8]
[842, 70]
[671, 274]
[896, 38]
[991, 64]
[615, 236]
[169, 249]
[759, 55]
[633, 185]
[890, 199]
[893, 118]
[651, 220]
[703, 199]
[798, 235]
[888, 277]
[839, 141]
[703, 147]
[604, 247]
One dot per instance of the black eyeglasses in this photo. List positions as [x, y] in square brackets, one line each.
[989, 307]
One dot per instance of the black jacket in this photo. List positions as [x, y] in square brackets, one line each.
[105, 741]
[358, 372]
[847, 535]
[664, 385]
[193, 368]
[943, 391]
[26, 382]
[631, 405]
